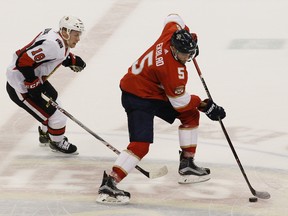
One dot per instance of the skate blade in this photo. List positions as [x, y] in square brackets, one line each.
[56, 151]
[43, 144]
[118, 200]
[191, 179]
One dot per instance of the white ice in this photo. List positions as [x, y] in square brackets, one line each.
[243, 58]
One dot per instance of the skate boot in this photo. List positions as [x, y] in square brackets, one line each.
[44, 138]
[190, 172]
[63, 146]
[109, 193]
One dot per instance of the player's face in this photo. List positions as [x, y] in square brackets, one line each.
[183, 57]
[74, 38]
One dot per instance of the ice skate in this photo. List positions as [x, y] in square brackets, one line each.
[64, 146]
[44, 139]
[190, 172]
[110, 194]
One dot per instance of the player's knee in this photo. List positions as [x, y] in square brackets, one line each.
[187, 126]
[139, 149]
[190, 118]
[57, 120]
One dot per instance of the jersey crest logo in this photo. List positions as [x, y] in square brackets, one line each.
[179, 90]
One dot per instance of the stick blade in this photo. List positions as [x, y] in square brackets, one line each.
[158, 173]
[262, 195]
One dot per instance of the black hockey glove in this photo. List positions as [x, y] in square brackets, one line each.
[196, 51]
[74, 62]
[34, 88]
[213, 111]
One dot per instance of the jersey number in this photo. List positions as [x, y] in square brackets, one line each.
[181, 74]
[38, 56]
[137, 70]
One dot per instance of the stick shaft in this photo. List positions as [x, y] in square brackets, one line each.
[225, 132]
[54, 104]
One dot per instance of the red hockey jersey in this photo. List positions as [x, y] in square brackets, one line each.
[158, 75]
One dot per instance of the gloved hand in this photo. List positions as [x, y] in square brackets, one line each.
[34, 88]
[74, 62]
[213, 111]
[196, 53]
[195, 39]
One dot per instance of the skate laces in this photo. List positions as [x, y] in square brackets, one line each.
[188, 167]
[111, 183]
[63, 144]
[42, 133]
[110, 187]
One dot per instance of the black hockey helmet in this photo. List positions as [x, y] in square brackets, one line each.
[183, 42]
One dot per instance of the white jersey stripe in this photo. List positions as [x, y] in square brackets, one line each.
[31, 107]
[181, 101]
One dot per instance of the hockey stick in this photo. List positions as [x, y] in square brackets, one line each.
[153, 174]
[259, 194]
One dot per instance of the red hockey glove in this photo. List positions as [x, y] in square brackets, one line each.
[34, 88]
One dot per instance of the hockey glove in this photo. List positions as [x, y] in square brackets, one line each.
[196, 51]
[194, 37]
[34, 88]
[74, 62]
[213, 111]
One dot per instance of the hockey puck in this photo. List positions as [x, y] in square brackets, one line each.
[253, 199]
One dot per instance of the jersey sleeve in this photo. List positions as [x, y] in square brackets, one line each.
[174, 84]
[40, 52]
[49, 51]
[176, 19]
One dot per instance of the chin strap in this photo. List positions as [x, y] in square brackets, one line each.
[175, 54]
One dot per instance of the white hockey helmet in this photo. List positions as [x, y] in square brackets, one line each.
[71, 23]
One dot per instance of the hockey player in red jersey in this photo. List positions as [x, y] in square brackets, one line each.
[27, 79]
[155, 85]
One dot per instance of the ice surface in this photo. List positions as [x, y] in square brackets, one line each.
[243, 58]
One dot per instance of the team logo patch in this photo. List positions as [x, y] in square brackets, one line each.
[179, 90]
